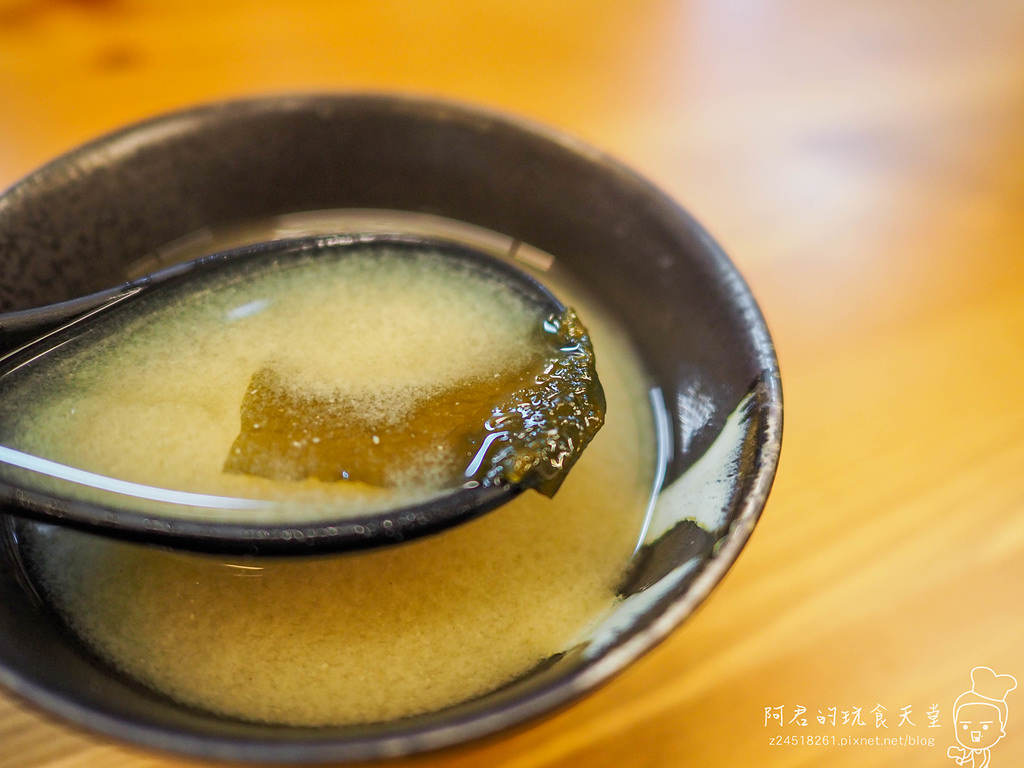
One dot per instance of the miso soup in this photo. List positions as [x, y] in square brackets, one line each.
[352, 638]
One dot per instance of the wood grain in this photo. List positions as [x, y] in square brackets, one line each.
[863, 163]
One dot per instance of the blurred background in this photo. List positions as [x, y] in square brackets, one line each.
[863, 164]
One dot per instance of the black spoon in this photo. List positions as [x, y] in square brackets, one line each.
[38, 487]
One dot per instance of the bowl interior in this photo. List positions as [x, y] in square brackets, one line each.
[86, 221]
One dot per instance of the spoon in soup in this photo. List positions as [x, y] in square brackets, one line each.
[320, 461]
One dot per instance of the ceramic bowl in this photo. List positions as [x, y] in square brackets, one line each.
[90, 219]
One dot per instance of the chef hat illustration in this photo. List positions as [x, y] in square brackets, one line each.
[987, 688]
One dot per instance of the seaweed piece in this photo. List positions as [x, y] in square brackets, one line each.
[527, 426]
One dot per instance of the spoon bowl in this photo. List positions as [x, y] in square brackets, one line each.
[54, 491]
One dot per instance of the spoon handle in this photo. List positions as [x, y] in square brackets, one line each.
[20, 327]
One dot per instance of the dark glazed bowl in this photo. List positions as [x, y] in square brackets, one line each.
[78, 225]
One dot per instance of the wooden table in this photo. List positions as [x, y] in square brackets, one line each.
[863, 162]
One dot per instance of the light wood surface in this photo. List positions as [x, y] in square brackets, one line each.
[863, 163]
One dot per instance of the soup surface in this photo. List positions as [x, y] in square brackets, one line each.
[361, 637]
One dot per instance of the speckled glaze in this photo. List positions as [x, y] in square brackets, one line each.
[74, 226]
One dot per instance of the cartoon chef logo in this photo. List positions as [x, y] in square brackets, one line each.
[980, 717]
